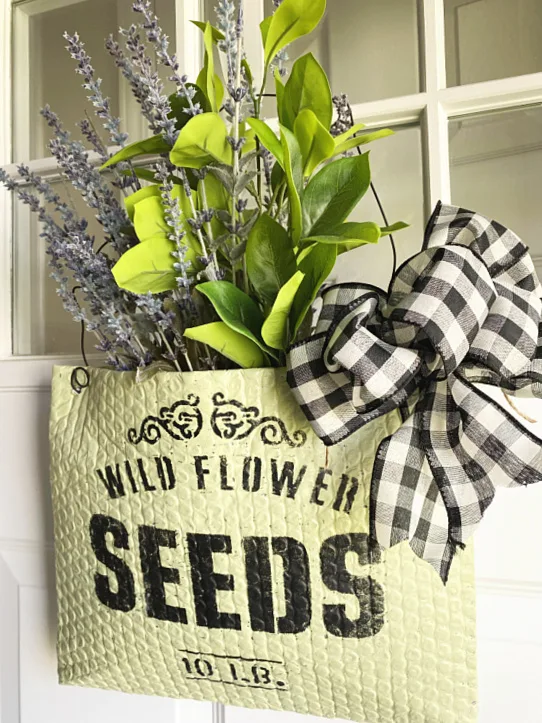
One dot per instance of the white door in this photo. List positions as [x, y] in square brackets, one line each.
[461, 82]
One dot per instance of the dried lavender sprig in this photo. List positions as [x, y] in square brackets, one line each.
[122, 181]
[173, 217]
[153, 307]
[72, 157]
[236, 142]
[135, 80]
[94, 140]
[157, 102]
[102, 105]
[73, 224]
[61, 249]
[212, 268]
[69, 249]
[227, 23]
[156, 35]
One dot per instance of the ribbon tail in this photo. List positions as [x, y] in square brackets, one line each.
[406, 503]
[505, 451]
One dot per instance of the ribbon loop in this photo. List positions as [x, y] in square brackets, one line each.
[466, 308]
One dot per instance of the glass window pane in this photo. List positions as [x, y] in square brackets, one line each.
[396, 166]
[53, 79]
[491, 39]
[369, 48]
[496, 169]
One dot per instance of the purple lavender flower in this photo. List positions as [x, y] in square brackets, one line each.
[156, 102]
[73, 159]
[156, 35]
[76, 48]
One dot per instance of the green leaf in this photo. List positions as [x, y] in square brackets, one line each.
[149, 222]
[349, 133]
[291, 20]
[264, 28]
[316, 264]
[250, 139]
[149, 216]
[279, 91]
[219, 35]
[362, 140]
[277, 176]
[179, 105]
[156, 144]
[333, 193]
[349, 236]
[216, 33]
[268, 138]
[399, 226]
[218, 92]
[229, 343]
[307, 87]
[147, 267]
[206, 79]
[147, 175]
[202, 141]
[269, 257]
[235, 308]
[248, 72]
[275, 331]
[143, 193]
[364, 233]
[315, 142]
[217, 199]
[293, 166]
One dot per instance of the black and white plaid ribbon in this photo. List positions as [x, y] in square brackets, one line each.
[466, 309]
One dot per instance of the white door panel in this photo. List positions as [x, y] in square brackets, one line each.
[509, 654]
[25, 508]
[29, 691]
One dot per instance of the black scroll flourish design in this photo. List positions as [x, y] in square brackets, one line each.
[182, 421]
[232, 420]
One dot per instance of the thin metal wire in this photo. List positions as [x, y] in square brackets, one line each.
[393, 249]
[83, 331]
[379, 203]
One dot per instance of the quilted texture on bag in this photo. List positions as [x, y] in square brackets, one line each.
[209, 546]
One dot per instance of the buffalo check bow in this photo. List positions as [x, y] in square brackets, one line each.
[466, 309]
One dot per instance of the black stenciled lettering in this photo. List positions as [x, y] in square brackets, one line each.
[259, 584]
[143, 476]
[252, 474]
[206, 582]
[297, 585]
[224, 473]
[112, 480]
[201, 471]
[168, 483]
[337, 577]
[319, 485]
[350, 483]
[155, 576]
[130, 475]
[124, 598]
[286, 478]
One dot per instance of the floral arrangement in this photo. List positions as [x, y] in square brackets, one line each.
[226, 231]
